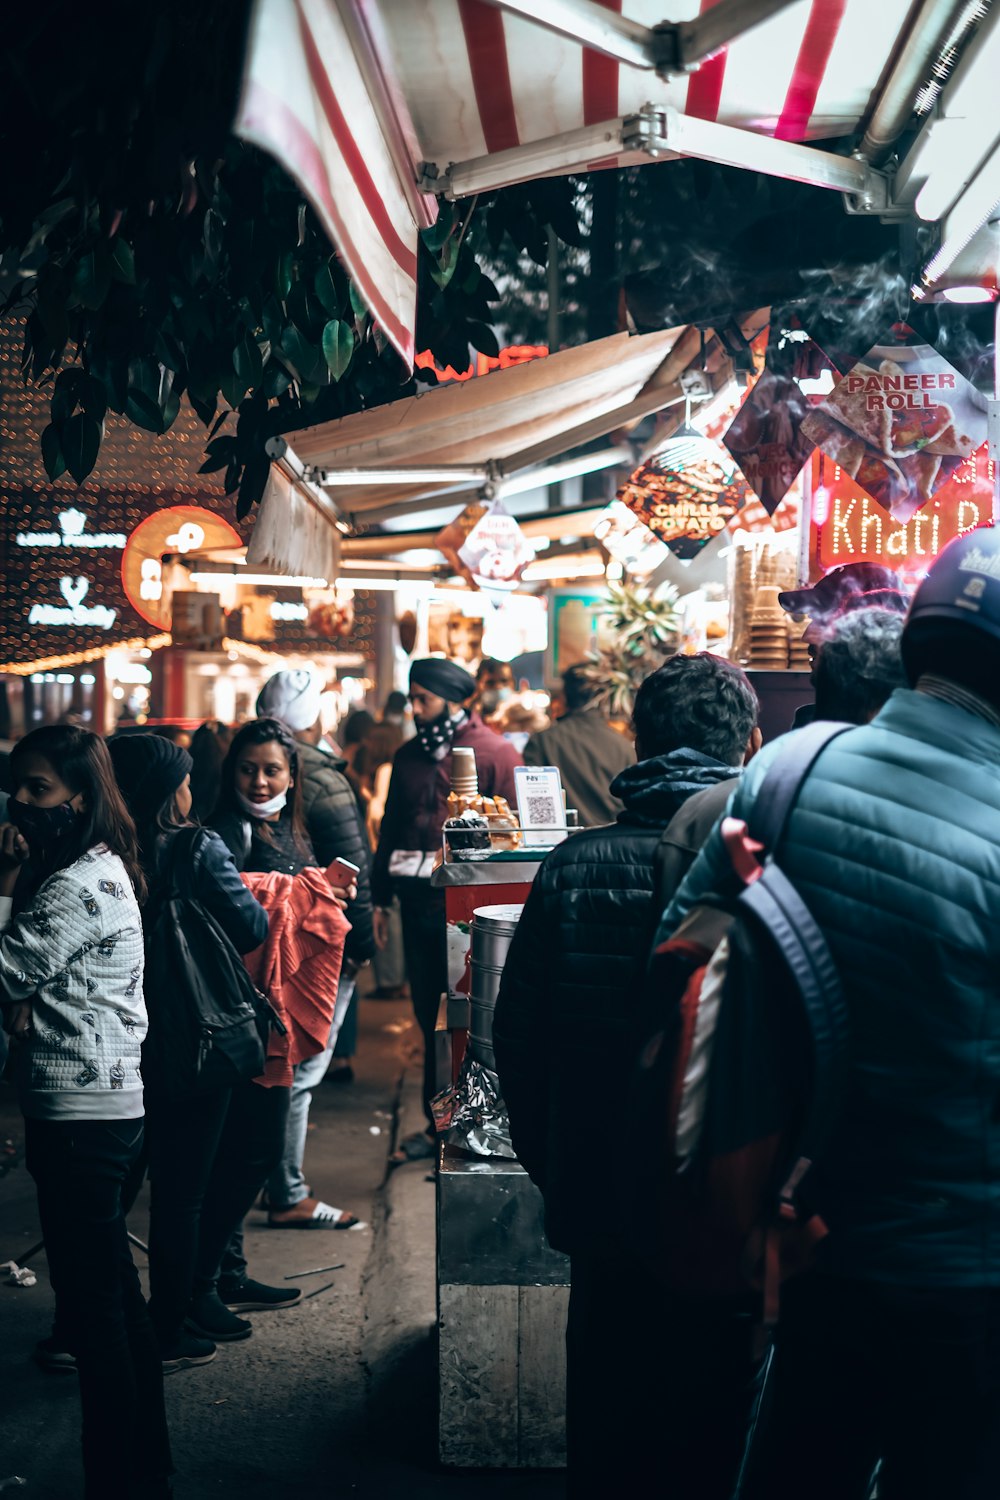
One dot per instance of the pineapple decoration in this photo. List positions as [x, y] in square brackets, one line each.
[645, 625]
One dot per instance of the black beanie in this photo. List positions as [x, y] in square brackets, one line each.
[148, 769]
[445, 679]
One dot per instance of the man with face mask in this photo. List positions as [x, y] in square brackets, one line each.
[495, 685]
[415, 810]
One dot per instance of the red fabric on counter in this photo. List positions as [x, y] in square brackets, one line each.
[298, 964]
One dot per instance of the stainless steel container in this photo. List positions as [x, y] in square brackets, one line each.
[492, 929]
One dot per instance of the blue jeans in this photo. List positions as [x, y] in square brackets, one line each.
[287, 1185]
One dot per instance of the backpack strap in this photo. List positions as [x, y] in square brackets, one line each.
[780, 788]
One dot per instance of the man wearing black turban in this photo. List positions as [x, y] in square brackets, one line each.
[415, 810]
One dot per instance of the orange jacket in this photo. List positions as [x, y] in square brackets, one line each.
[298, 964]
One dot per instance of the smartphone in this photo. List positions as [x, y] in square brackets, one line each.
[341, 873]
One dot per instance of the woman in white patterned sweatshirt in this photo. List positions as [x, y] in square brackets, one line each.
[71, 957]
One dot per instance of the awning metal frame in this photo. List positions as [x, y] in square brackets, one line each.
[661, 133]
[669, 49]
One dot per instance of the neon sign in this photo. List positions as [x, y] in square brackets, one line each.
[515, 354]
[849, 526]
[71, 533]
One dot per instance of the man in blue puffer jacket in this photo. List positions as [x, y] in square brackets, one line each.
[890, 1348]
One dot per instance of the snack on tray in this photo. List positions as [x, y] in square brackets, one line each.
[467, 836]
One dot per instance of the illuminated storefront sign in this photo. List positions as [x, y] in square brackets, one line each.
[74, 612]
[176, 529]
[72, 533]
[849, 526]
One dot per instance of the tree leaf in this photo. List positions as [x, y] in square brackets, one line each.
[205, 410]
[302, 357]
[143, 411]
[92, 278]
[283, 275]
[483, 338]
[443, 269]
[52, 454]
[338, 347]
[359, 306]
[168, 411]
[122, 262]
[219, 453]
[434, 237]
[81, 443]
[233, 388]
[326, 290]
[67, 393]
[276, 380]
[247, 362]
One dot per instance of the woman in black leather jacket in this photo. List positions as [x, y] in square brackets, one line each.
[182, 1136]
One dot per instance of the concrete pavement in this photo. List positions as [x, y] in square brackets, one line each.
[336, 1395]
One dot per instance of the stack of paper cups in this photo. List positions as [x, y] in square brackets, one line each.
[464, 776]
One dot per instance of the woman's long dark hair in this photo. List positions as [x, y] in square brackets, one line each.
[152, 833]
[261, 732]
[80, 759]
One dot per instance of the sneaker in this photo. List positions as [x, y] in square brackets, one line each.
[51, 1354]
[254, 1296]
[209, 1318]
[186, 1351]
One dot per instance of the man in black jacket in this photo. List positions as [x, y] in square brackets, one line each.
[564, 1034]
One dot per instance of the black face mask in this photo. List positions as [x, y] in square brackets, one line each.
[435, 738]
[42, 825]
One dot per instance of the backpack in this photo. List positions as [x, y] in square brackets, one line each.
[208, 1022]
[743, 1062]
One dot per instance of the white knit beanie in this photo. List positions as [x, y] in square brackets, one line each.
[293, 697]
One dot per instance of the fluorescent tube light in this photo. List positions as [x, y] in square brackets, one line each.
[571, 468]
[341, 478]
[261, 580]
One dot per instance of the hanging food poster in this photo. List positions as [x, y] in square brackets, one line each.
[496, 550]
[900, 423]
[766, 438]
[686, 494]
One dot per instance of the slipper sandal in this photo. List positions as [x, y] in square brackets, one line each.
[417, 1147]
[323, 1216]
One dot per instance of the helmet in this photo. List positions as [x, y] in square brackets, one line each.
[960, 595]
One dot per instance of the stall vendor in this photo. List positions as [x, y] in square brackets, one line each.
[415, 811]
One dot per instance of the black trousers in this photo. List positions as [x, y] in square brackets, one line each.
[865, 1370]
[182, 1139]
[250, 1147]
[80, 1168]
[660, 1387]
[425, 950]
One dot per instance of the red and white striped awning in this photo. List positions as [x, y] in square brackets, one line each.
[354, 96]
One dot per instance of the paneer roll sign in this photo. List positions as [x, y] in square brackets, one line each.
[900, 423]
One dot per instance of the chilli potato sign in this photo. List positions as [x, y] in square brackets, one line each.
[900, 423]
[687, 494]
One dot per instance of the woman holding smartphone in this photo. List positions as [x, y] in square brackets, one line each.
[71, 972]
[258, 818]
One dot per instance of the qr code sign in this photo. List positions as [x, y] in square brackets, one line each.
[541, 810]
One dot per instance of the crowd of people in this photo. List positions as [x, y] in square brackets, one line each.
[882, 1375]
[884, 1358]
